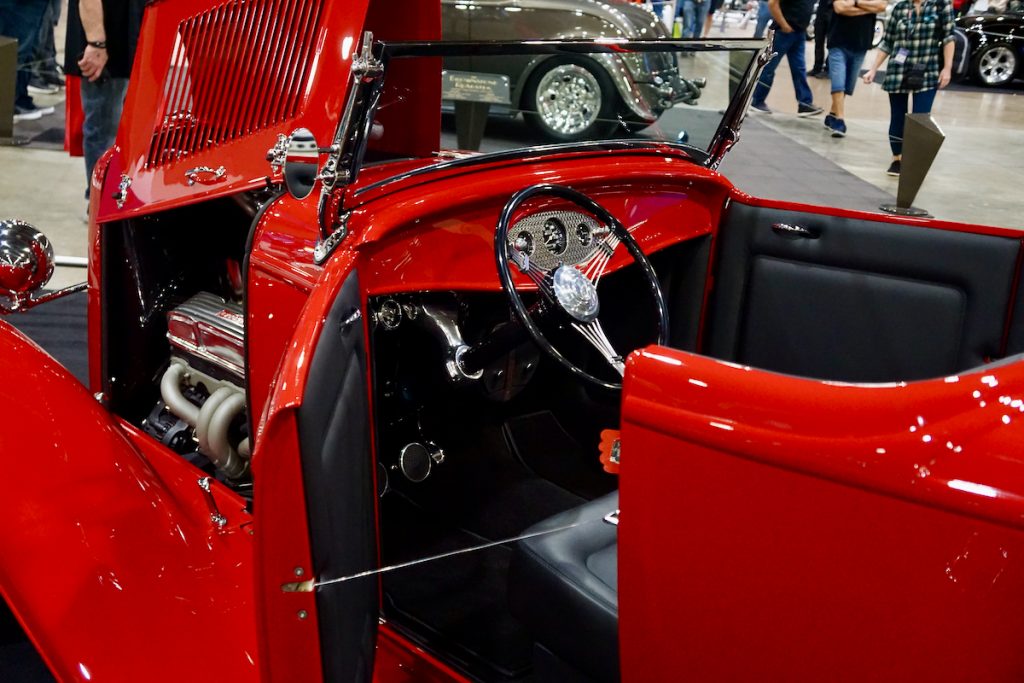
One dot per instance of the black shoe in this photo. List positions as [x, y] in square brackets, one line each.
[894, 168]
[808, 110]
[815, 73]
[761, 107]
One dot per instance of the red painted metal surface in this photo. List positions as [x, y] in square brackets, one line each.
[275, 92]
[810, 529]
[111, 560]
[400, 661]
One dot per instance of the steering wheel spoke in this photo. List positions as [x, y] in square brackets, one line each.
[594, 333]
[594, 267]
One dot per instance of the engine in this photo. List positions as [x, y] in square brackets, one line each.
[202, 412]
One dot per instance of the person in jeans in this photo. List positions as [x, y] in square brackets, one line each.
[99, 47]
[791, 19]
[21, 19]
[763, 17]
[918, 37]
[693, 13]
[849, 39]
[822, 23]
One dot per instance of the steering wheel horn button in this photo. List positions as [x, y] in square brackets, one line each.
[576, 294]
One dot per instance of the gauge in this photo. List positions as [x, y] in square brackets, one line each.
[524, 243]
[555, 237]
[584, 235]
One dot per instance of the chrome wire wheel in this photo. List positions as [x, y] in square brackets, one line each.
[996, 65]
[568, 99]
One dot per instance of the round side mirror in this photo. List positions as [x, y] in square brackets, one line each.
[26, 260]
[301, 163]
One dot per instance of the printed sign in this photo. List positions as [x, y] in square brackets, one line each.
[466, 86]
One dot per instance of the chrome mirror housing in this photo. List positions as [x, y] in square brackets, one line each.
[301, 163]
[26, 265]
[26, 262]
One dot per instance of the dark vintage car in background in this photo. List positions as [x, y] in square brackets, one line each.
[577, 97]
[996, 47]
[362, 407]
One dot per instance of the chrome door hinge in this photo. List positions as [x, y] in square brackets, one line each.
[121, 196]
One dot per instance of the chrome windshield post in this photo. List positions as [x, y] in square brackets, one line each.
[347, 148]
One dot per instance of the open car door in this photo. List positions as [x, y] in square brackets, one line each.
[776, 527]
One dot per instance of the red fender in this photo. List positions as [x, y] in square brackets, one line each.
[110, 560]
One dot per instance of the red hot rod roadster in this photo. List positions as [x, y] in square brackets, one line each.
[355, 396]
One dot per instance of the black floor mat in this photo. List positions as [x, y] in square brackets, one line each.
[19, 661]
[457, 604]
[60, 327]
[546, 449]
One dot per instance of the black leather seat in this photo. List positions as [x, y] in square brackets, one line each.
[564, 587]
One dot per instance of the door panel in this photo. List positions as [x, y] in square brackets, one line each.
[783, 529]
[855, 299]
[337, 464]
[313, 472]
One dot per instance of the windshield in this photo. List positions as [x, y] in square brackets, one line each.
[499, 98]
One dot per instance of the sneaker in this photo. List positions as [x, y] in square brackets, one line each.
[26, 114]
[894, 168]
[829, 120]
[41, 87]
[761, 107]
[816, 73]
[822, 74]
[805, 110]
[838, 128]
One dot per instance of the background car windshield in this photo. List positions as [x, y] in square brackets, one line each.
[502, 103]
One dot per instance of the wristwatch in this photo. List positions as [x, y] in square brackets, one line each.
[99, 44]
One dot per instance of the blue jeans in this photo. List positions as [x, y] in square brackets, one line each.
[923, 101]
[101, 105]
[21, 19]
[790, 45]
[763, 17]
[844, 68]
[693, 12]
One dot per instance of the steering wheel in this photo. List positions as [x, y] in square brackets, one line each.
[571, 290]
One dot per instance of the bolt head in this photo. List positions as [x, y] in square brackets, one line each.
[303, 614]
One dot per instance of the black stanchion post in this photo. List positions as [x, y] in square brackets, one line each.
[922, 139]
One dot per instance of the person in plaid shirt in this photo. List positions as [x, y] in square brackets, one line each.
[919, 40]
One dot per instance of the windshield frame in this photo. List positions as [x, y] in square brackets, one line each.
[369, 73]
[725, 136]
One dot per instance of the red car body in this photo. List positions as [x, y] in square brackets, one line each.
[774, 527]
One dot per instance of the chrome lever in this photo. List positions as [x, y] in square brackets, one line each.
[792, 231]
[192, 175]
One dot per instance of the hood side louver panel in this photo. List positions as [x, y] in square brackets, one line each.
[237, 68]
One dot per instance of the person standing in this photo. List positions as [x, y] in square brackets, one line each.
[693, 13]
[100, 47]
[763, 17]
[918, 37]
[713, 6]
[791, 20]
[849, 39]
[21, 20]
[45, 78]
[822, 23]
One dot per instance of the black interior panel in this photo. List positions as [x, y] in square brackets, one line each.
[334, 429]
[857, 300]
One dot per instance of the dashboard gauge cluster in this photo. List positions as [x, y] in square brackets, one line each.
[553, 237]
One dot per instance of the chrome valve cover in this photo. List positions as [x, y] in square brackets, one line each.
[210, 329]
